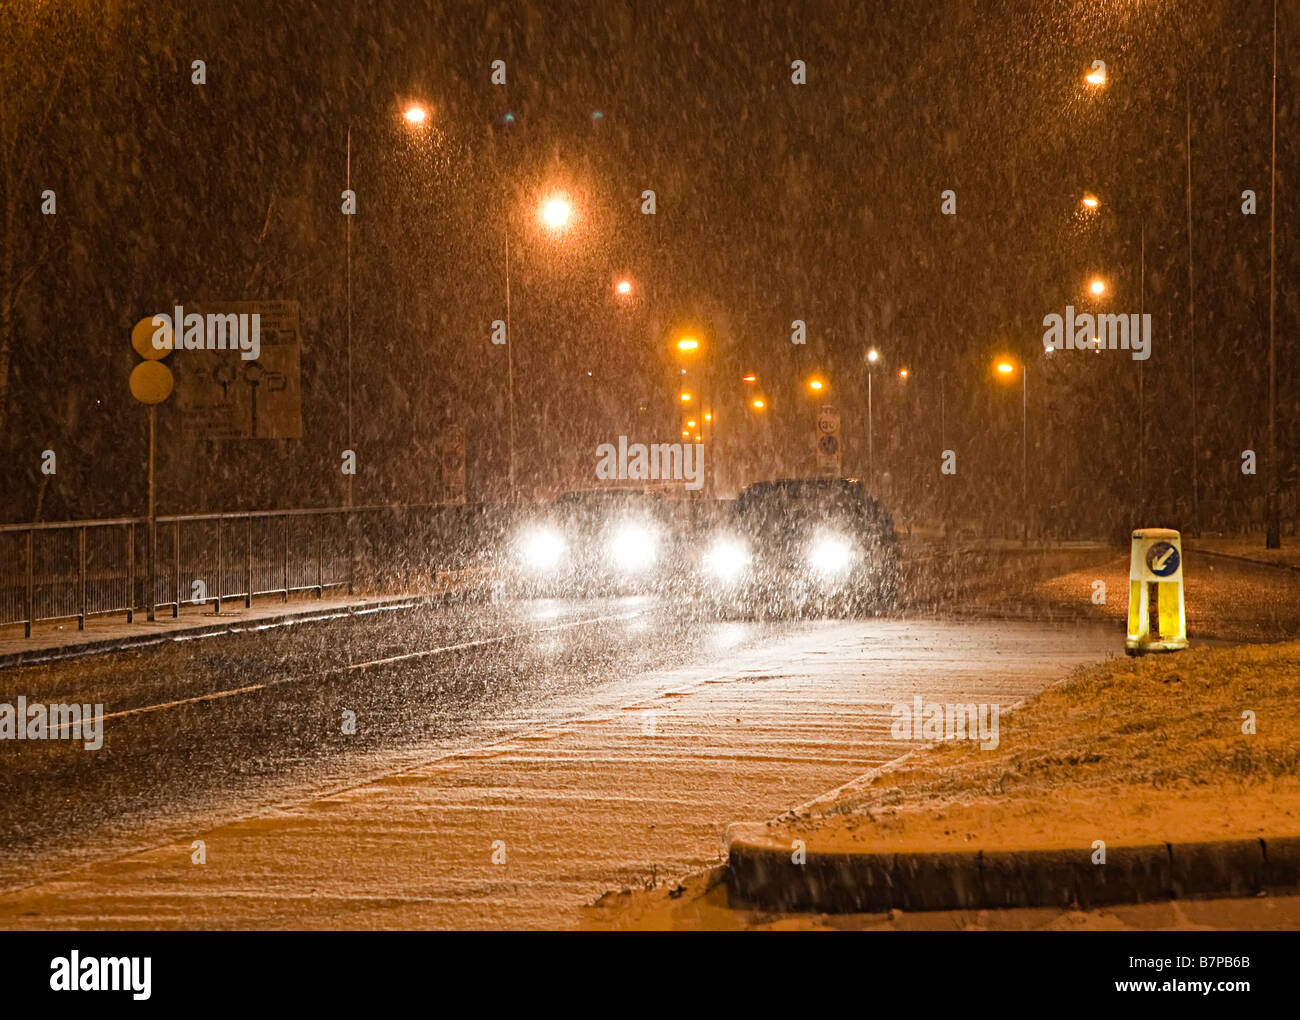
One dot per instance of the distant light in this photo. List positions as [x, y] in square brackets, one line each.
[749, 378]
[597, 115]
[415, 115]
[1098, 286]
[815, 384]
[691, 423]
[697, 437]
[708, 417]
[685, 433]
[509, 118]
[873, 355]
[1096, 77]
[688, 343]
[556, 213]
[686, 398]
[1005, 367]
[624, 287]
[759, 405]
[1091, 201]
[902, 373]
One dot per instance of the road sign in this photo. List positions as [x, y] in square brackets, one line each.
[1157, 616]
[142, 335]
[453, 464]
[223, 396]
[828, 443]
[151, 382]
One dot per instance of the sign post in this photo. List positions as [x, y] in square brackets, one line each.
[829, 448]
[151, 383]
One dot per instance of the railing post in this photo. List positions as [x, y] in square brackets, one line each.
[31, 585]
[176, 569]
[81, 579]
[220, 587]
[286, 558]
[320, 563]
[248, 567]
[130, 572]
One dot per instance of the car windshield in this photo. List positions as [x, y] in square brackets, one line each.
[791, 505]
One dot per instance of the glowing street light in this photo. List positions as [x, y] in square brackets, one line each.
[688, 343]
[902, 374]
[1097, 286]
[1006, 368]
[623, 288]
[816, 385]
[758, 404]
[873, 356]
[1097, 76]
[556, 213]
[691, 423]
[1090, 201]
[415, 115]
[749, 378]
[686, 398]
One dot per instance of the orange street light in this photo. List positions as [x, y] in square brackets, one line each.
[415, 115]
[556, 213]
[623, 288]
[691, 423]
[1090, 201]
[902, 373]
[758, 404]
[1097, 286]
[686, 398]
[873, 355]
[816, 385]
[688, 343]
[1097, 76]
[1005, 368]
[749, 378]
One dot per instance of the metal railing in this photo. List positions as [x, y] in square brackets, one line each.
[78, 569]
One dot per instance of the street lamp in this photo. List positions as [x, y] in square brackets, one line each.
[1097, 76]
[1097, 286]
[1006, 369]
[872, 357]
[414, 115]
[816, 385]
[555, 213]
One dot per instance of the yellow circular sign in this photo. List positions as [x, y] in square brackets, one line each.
[142, 338]
[151, 382]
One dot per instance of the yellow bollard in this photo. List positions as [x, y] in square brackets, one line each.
[1157, 619]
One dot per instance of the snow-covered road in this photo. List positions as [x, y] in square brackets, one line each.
[618, 764]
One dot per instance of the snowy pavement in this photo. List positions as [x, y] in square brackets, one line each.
[624, 780]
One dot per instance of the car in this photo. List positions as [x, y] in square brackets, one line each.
[591, 542]
[803, 546]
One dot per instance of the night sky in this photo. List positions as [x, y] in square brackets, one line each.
[775, 202]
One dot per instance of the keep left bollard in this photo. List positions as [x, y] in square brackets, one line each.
[1157, 618]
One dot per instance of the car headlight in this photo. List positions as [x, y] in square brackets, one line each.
[543, 550]
[830, 555]
[633, 548]
[726, 559]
